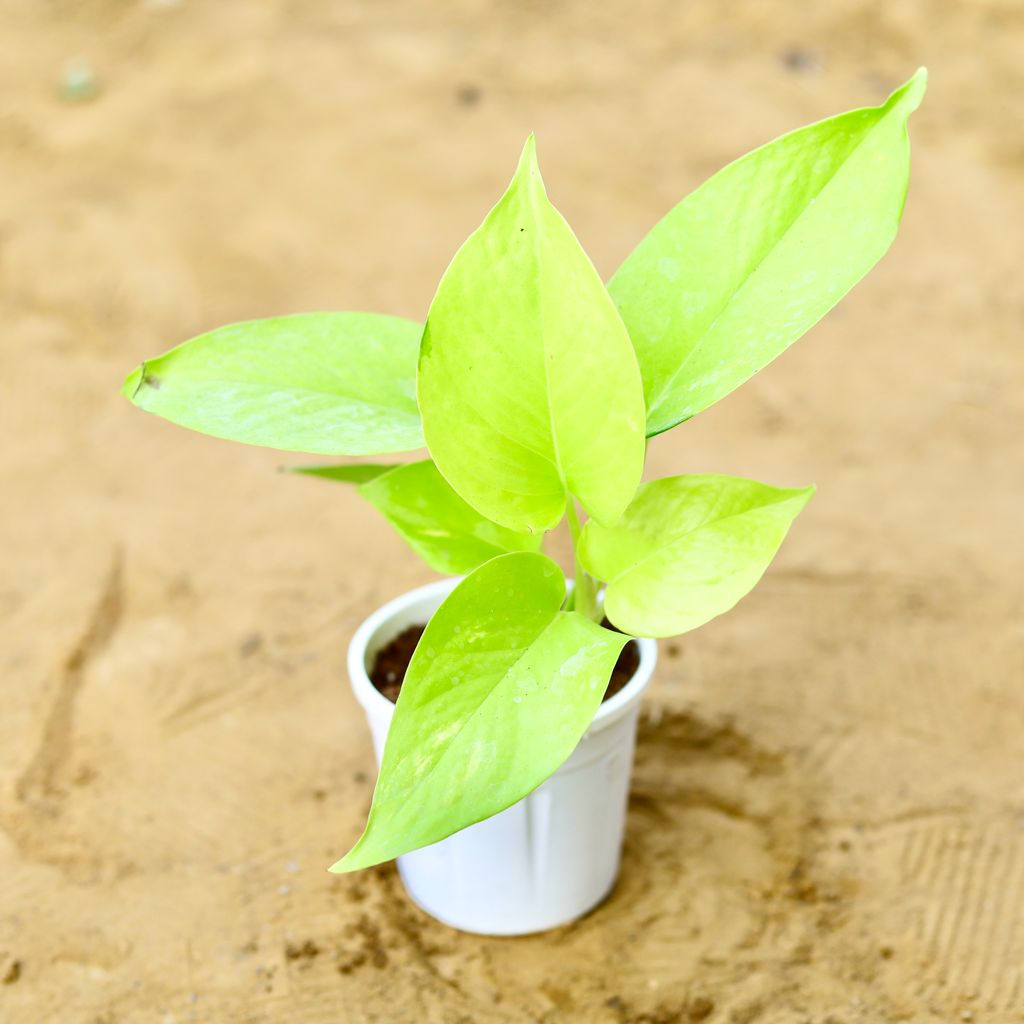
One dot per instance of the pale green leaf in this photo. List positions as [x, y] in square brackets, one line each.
[760, 252]
[528, 384]
[500, 690]
[687, 549]
[324, 383]
[449, 535]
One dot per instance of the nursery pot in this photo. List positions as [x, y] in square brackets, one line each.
[544, 861]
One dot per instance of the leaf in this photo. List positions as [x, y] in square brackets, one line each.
[449, 535]
[528, 384]
[353, 473]
[760, 252]
[326, 383]
[687, 549]
[498, 694]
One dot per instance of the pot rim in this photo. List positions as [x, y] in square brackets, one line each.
[375, 703]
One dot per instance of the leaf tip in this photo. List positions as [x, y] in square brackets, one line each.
[350, 862]
[909, 95]
[528, 168]
[801, 497]
[132, 383]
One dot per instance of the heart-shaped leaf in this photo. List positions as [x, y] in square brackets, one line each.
[528, 384]
[687, 549]
[324, 383]
[760, 252]
[449, 535]
[500, 690]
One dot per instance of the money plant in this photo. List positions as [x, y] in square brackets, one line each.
[535, 387]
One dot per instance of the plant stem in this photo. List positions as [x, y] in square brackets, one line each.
[585, 591]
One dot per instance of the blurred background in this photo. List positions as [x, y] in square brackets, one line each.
[828, 813]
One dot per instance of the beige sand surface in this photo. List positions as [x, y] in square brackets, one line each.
[828, 814]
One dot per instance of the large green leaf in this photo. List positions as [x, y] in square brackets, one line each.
[760, 252]
[449, 535]
[528, 384]
[687, 549]
[325, 383]
[500, 690]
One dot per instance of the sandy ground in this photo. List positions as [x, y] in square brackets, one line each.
[827, 822]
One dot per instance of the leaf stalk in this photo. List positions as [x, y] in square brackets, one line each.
[584, 598]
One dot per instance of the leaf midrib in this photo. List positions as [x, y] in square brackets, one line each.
[535, 245]
[707, 523]
[557, 614]
[336, 395]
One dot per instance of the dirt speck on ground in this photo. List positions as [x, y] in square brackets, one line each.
[826, 819]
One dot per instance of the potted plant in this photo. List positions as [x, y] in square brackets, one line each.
[503, 771]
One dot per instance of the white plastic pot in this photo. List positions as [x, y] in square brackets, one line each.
[546, 860]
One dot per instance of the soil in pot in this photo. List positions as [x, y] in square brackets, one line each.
[392, 661]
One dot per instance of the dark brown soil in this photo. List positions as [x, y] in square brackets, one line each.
[392, 661]
[625, 667]
[389, 667]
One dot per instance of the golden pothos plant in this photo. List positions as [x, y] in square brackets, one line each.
[535, 386]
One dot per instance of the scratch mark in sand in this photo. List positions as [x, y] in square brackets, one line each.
[53, 750]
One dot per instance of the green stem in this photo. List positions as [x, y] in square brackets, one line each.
[585, 591]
